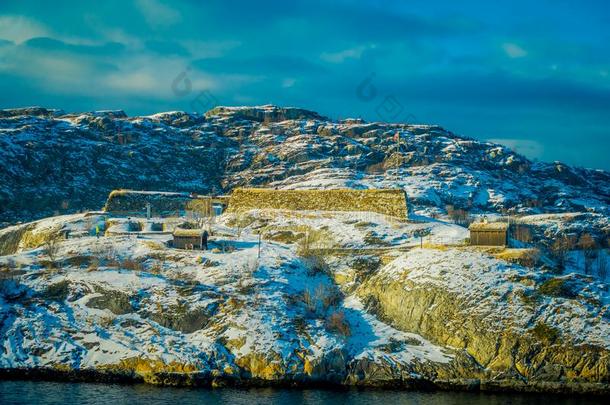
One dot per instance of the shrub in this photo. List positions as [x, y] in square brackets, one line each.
[364, 224]
[545, 333]
[557, 287]
[58, 291]
[326, 296]
[129, 264]
[300, 325]
[308, 300]
[337, 323]
[51, 248]
[318, 302]
[315, 264]
[458, 215]
[78, 261]
[155, 268]
[560, 247]
[283, 236]
[371, 238]
[529, 298]
[11, 289]
[602, 265]
[314, 239]
[94, 264]
[366, 265]
[241, 221]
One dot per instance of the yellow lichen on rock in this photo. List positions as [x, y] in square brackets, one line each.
[266, 367]
[144, 366]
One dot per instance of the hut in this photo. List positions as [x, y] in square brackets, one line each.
[188, 238]
[488, 233]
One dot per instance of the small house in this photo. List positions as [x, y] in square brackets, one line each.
[488, 233]
[188, 238]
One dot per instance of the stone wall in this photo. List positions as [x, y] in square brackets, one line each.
[391, 202]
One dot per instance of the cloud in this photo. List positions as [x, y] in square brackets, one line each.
[55, 45]
[19, 28]
[260, 64]
[514, 51]
[158, 14]
[288, 82]
[341, 56]
[529, 148]
[166, 48]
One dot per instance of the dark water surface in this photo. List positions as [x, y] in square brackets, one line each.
[37, 392]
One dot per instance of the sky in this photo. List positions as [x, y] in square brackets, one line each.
[533, 75]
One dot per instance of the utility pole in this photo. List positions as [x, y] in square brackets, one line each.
[259, 244]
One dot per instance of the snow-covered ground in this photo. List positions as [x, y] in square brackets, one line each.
[249, 302]
[127, 297]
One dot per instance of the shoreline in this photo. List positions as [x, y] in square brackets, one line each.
[207, 380]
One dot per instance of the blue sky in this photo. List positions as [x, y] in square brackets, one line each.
[534, 75]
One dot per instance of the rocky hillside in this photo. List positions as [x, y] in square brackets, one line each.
[374, 310]
[56, 162]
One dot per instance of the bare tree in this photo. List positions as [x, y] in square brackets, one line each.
[242, 220]
[51, 248]
[588, 246]
[522, 233]
[560, 248]
[201, 212]
[602, 265]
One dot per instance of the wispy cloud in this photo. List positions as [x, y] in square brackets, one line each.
[513, 50]
[341, 56]
[529, 148]
[158, 14]
[18, 28]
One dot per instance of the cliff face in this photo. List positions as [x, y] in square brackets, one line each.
[504, 318]
[121, 307]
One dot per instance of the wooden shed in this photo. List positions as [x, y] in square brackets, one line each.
[188, 238]
[488, 233]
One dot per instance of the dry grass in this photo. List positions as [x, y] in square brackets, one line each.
[545, 333]
[315, 239]
[131, 264]
[319, 301]
[106, 321]
[558, 287]
[524, 257]
[371, 238]
[435, 246]
[78, 261]
[153, 245]
[336, 322]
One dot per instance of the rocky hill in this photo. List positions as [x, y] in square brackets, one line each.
[296, 292]
[57, 162]
[376, 310]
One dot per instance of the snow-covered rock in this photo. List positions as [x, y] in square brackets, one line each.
[377, 311]
[53, 162]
